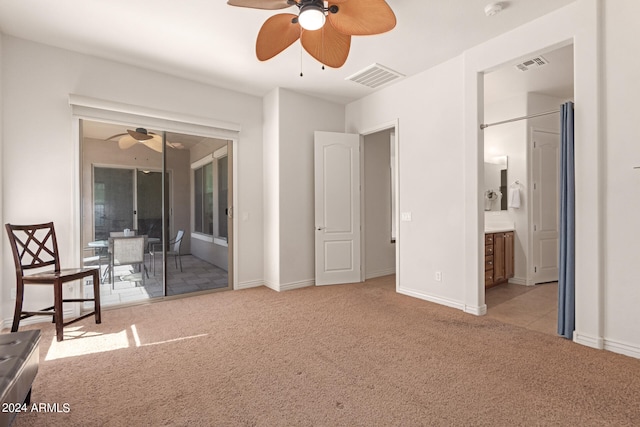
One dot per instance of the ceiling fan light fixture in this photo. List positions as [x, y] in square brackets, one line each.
[312, 16]
[140, 134]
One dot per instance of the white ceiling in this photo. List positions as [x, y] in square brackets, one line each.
[211, 42]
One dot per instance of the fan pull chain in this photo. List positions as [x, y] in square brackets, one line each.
[323, 51]
[301, 75]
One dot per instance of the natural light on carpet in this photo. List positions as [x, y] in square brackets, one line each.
[78, 342]
[136, 337]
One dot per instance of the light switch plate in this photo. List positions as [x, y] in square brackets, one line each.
[405, 216]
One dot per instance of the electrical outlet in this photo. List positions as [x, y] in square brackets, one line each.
[438, 276]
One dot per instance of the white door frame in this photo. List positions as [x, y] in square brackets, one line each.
[391, 125]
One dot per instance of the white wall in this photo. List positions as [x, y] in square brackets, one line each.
[428, 107]
[40, 163]
[621, 293]
[379, 252]
[271, 188]
[290, 186]
[440, 141]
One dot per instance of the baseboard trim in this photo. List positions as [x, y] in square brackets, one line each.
[476, 310]
[519, 281]
[431, 298]
[631, 350]
[297, 285]
[271, 285]
[589, 341]
[250, 284]
[380, 273]
[7, 323]
[280, 287]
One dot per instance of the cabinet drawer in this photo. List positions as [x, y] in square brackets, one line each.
[488, 263]
[488, 239]
[488, 278]
[488, 250]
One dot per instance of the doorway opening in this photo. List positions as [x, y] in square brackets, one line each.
[183, 217]
[378, 201]
[526, 295]
[356, 205]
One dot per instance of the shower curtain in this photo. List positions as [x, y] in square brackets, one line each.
[566, 279]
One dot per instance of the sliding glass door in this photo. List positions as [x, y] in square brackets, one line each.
[182, 216]
[113, 206]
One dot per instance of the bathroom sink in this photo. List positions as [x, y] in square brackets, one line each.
[495, 227]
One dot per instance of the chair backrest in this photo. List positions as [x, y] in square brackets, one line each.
[121, 233]
[127, 250]
[178, 241]
[33, 246]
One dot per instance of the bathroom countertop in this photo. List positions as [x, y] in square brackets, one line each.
[499, 227]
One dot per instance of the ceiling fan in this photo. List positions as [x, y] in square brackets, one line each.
[324, 30]
[141, 135]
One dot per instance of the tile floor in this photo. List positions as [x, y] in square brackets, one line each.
[532, 307]
[196, 275]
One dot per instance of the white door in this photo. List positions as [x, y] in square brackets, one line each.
[337, 208]
[544, 204]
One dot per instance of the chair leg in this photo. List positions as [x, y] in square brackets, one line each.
[18, 309]
[57, 309]
[96, 296]
[180, 260]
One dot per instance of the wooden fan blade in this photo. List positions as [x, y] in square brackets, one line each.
[126, 142]
[155, 143]
[327, 45]
[362, 17]
[276, 34]
[260, 4]
[115, 136]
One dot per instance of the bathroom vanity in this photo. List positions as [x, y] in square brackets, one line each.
[498, 257]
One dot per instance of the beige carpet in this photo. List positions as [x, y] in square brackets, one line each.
[348, 355]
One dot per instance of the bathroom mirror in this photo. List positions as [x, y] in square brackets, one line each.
[495, 183]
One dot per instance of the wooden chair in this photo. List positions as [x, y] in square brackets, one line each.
[36, 247]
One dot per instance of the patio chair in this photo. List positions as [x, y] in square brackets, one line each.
[35, 248]
[128, 251]
[174, 250]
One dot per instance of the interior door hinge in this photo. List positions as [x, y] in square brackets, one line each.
[535, 227]
[535, 269]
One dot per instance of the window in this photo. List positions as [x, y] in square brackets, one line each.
[211, 189]
[203, 199]
[223, 189]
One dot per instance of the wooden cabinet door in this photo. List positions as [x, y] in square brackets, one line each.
[498, 257]
[508, 255]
